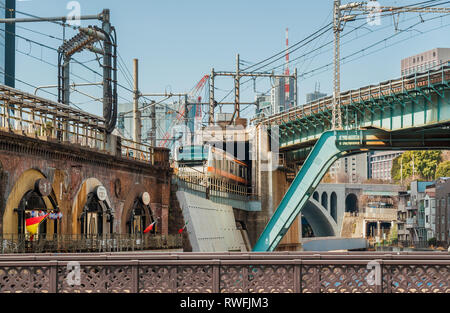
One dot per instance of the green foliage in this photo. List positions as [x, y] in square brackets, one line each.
[443, 170]
[432, 241]
[423, 163]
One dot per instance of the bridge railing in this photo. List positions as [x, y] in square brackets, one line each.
[383, 89]
[143, 152]
[14, 243]
[215, 186]
[46, 120]
[370, 272]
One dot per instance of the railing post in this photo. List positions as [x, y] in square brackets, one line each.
[379, 280]
[297, 276]
[53, 280]
[216, 276]
[135, 276]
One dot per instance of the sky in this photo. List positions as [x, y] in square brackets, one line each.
[177, 42]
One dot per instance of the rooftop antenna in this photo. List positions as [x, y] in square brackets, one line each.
[287, 72]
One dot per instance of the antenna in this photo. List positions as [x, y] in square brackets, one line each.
[287, 72]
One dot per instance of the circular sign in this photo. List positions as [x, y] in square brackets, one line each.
[44, 187]
[101, 193]
[145, 197]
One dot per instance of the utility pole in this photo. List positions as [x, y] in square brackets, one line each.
[237, 77]
[211, 98]
[136, 96]
[153, 118]
[237, 85]
[337, 117]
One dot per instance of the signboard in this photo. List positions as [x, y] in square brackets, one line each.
[44, 187]
[145, 198]
[101, 193]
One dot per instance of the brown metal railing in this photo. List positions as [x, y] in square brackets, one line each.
[39, 118]
[307, 272]
[142, 152]
[14, 243]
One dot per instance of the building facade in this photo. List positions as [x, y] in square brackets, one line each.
[425, 61]
[280, 103]
[430, 211]
[381, 164]
[313, 96]
[263, 105]
[443, 210]
[353, 169]
[415, 221]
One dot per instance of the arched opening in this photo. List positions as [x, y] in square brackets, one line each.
[39, 201]
[324, 201]
[351, 203]
[97, 217]
[333, 206]
[316, 196]
[140, 215]
[307, 231]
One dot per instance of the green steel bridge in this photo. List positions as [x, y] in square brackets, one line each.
[410, 113]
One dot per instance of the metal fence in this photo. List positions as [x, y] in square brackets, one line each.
[87, 243]
[227, 273]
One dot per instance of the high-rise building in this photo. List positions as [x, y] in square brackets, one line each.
[425, 61]
[313, 96]
[7, 44]
[280, 103]
[263, 105]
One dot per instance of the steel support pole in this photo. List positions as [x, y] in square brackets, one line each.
[66, 80]
[153, 117]
[237, 84]
[211, 98]
[295, 88]
[136, 112]
[107, 66]
[337, 118]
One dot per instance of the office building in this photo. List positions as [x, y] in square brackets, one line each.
[425, 61]
[280, 102]
[381, 164]
[352, 169]
[313, 96]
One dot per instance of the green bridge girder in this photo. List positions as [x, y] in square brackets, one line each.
[407, 114]
[410, 102]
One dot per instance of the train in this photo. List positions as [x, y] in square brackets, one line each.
[212, 162]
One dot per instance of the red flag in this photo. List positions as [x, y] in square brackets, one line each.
[150, 228]
[182, 229]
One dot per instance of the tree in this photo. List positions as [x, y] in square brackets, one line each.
[443, 170]
[422, 163]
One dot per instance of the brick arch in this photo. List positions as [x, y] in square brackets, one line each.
[24, 183]
[80, 199]
[134, 193]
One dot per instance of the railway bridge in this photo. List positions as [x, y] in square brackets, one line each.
[410, 113]
[59, 160]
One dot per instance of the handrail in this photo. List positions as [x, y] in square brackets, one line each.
[396, 86]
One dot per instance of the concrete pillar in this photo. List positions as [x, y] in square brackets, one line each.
[378, 230]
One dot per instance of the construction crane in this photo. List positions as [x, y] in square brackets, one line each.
[183, 110]
[374, 11]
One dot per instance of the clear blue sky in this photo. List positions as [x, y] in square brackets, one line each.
[177, 42]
